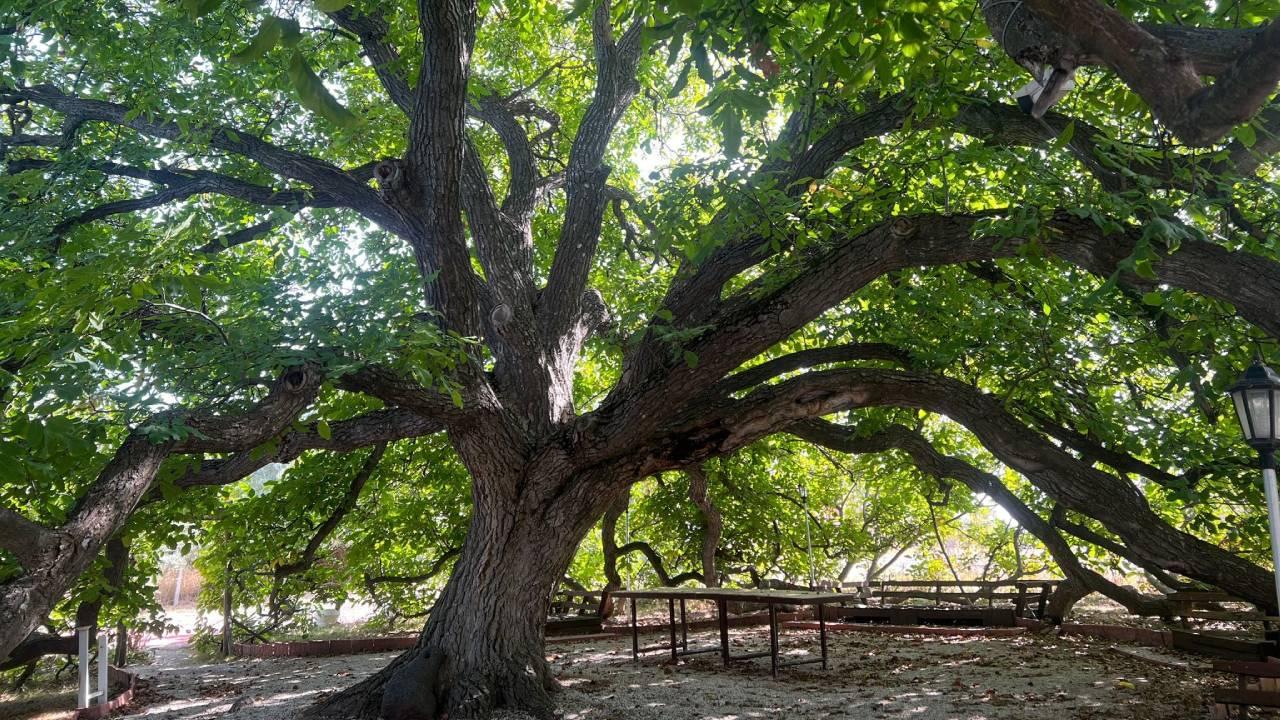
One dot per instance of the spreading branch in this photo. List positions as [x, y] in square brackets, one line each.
[1166, 79]
[324, 177]
[1114, 502]
[586, 175]
[58, 556]
[930, 461]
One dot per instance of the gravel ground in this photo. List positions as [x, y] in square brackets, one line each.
[871, 676]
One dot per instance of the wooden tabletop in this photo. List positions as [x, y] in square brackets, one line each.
[798, 597]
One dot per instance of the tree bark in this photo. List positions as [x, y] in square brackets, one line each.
[712, 523]
[489, 619]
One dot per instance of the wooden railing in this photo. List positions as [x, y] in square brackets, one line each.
[1024, 595]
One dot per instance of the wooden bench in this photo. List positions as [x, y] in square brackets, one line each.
[1029, 598]
[1231, 704]
[1224, 648]
[1258, 686]
[1208, 605]
[574, 612]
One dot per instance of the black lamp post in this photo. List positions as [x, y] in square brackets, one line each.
[808, 535]
[1257, 399]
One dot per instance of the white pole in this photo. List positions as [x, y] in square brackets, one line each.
[177, 585]
[82, 698]
[103, 689]
[1273, 518]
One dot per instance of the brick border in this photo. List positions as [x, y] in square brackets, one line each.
[324, 648]
[115, 675]
[1120, 633]
[909, 629]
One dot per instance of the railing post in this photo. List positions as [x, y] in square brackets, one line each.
[82, 672]
[103, 688]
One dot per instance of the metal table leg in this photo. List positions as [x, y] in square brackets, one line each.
[684, 628]
[773, 639]
[675, 649]
[635, 633]
[722, 610]
[822, 633]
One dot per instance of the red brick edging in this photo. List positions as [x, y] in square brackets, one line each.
[909, 629]
[1120, 633]
[325, 648]
[114, 676]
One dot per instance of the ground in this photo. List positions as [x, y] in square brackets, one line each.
[871, 676]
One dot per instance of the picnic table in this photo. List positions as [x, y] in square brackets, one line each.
[722, 597]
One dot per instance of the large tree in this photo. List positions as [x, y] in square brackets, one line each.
[467, 223]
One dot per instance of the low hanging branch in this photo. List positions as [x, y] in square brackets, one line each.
[1163, 73]
[308, 557]
[941, 466]
[55, 557]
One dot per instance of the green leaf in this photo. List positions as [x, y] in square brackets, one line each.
[315, 96]
[328, 6]
[1245, 134]
[731, 127]
[199, 8]
[290, 32]
[1065, 136]
[690, 359]
[1155, 297]
[267, 37]
[323, 429]
[1143, 269]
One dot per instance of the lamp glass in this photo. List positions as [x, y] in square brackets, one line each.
[1259, 401]
[1275, 414]
[1243, 414]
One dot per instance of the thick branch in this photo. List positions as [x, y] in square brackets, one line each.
[586, 176]
[322, 176]
[371, 29]
[377, 427]
[1167, 80]
[757, 317]
[1112, 501]
[64, 553]
[934, 463]
[21, 537]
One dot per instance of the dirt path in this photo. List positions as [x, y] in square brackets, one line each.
[915, 677]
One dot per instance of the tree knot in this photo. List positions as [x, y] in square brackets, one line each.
[902, 228]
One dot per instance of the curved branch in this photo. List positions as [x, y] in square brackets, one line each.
[62, 554]
[930, 461]
[326, 528]
[436, 568]
[322, 176]
[1168, 81]
[758, 317]
[659, 568]
[1114, 502]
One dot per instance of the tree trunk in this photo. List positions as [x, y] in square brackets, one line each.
[489, 620]
[712, 523]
